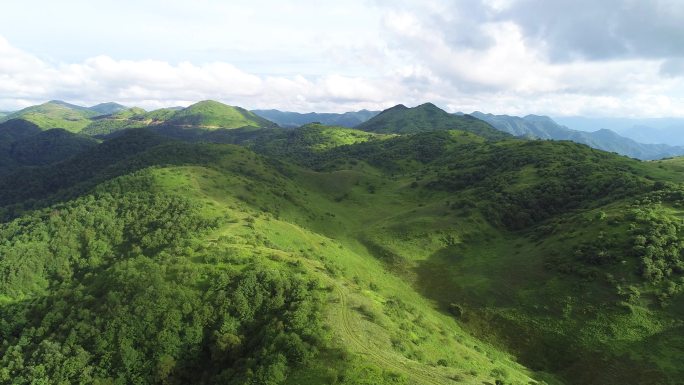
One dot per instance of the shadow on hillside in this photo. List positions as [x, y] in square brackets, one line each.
[487, 310]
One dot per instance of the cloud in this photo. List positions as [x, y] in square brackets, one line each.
[525, 56]
[152, 84]
[601, 30]
[605, 58]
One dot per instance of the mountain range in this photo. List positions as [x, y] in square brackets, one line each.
[106, 118]
[206, 245]
[543, 127]
[295, 119]
[655, 130]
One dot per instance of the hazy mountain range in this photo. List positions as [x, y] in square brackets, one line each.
[543, 127]
[656, 130]
[105, 118]
[295, 119]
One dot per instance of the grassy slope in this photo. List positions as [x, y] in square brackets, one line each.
[55, 115]
[573, 323]
[554, 290]
[377, 317]
[381, 329]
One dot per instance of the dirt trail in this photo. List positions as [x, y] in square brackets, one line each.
[415, 372]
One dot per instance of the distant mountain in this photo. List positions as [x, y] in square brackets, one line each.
[212, 114]
[644, 130]
[55, 114]
[206, 115]
[107, 108]
[427, 117]
[543, 127]
[295, 119]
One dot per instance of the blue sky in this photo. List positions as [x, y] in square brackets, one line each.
[561, 57]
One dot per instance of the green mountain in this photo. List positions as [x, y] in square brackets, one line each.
[426, 117]
[55, 114]
[202, 116]
[543, 127]
[294, 119]
[328, 255]
[107, 108]
[210, 114]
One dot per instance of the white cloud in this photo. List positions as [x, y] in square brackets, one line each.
[153, 84]
[499, 56]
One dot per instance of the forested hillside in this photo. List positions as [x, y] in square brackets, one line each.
[419, 249]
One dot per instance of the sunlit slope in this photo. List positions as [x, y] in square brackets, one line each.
[55, 114]
[204, 115]
[188, 230]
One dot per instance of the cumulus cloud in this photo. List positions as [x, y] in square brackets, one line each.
[152, 84]
[562, 57]
[598, 30]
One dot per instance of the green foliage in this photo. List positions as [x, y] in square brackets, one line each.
[50, 146]
[102, 290]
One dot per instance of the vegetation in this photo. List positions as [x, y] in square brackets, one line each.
[211, 114]
[295, 119]
[427, 117]
[55, 114]
[325, 255]
[50, 146]
[206, 115]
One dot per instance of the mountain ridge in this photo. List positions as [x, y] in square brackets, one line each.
[543, 127]
[426, 117]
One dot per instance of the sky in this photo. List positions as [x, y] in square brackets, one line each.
[607, 58]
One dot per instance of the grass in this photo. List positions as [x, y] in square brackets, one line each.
[384, 326]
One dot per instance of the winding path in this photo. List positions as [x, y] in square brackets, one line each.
[415, 372]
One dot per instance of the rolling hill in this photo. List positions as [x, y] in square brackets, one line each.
[295, 119]
[543, 127]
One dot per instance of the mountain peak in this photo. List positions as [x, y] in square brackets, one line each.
[427, 117]
[428, 106]
[108, 108]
